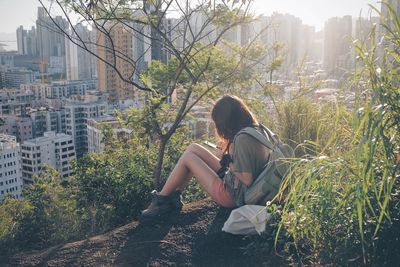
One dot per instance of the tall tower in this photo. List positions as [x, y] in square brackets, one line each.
[50, 40]
[116, 50]
[338, 45]
[158, 51]
[21, 33]
[30, 44]
[81, 65]
[43, 35]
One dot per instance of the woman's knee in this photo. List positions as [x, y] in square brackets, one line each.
[187, 155]
[193, 147]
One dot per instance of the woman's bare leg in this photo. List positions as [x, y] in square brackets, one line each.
[209, 158]
[196, 161]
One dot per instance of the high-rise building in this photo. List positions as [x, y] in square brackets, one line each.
[129, 49]
[197, 29]
[159, 35]
[142, 48]
[30, 42]
[307, 48]
[81, 65]
[78, 111]
[285, 35]
[234, 35]
[10, 167]
[26, 41]
[50, 40]
[286, 29]
[338, 46]
[21, 33]
[362, 32]
[117, 51]
[55, 150]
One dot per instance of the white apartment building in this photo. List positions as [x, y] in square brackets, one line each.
[78, 111]
[59, 89]
[20, 127]
[38, 89]
[10, 167]
[47, 120]
[95, 132]
[55, 150]
[17, 95]
[14, 108]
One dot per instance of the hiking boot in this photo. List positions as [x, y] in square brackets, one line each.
[161, 206]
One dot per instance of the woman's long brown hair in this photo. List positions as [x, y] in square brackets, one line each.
[230, 115]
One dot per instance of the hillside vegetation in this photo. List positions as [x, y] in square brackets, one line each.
[339, 205]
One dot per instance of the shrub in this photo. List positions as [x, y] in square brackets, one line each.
[114, 186]
[44, 217]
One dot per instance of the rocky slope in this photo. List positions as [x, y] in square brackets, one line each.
[193, 239]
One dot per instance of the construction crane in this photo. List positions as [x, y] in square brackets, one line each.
[44, 67]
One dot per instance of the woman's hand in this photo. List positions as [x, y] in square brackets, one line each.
[216, 150]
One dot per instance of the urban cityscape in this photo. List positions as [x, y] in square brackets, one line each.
[56, 96]
[199, 133]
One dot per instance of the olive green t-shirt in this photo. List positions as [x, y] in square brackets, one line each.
[249, 155]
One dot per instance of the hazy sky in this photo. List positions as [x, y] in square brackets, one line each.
[313, 12]
[316, 12]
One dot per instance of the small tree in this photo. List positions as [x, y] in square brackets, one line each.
[191, 49]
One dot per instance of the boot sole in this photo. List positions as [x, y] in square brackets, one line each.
[170, 217]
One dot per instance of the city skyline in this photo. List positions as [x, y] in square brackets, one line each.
[312, 12]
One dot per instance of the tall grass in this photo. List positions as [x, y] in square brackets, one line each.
[312, 128]
[339, 201]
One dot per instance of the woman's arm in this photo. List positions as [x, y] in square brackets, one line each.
[249, 156]
[245, 177]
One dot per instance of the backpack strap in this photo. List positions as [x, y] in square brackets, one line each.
[263, 139]
[271, 134]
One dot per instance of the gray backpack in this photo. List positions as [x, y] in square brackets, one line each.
[267, 184]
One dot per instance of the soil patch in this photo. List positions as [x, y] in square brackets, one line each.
[193, 239]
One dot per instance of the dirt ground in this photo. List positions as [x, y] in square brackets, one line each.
[193, 239]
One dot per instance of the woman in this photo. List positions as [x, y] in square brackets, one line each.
[246, 157]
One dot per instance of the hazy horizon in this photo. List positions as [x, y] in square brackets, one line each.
[311, 12]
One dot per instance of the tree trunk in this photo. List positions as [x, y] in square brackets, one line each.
[160, 160]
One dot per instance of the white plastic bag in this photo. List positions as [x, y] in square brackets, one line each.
[247, 220]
